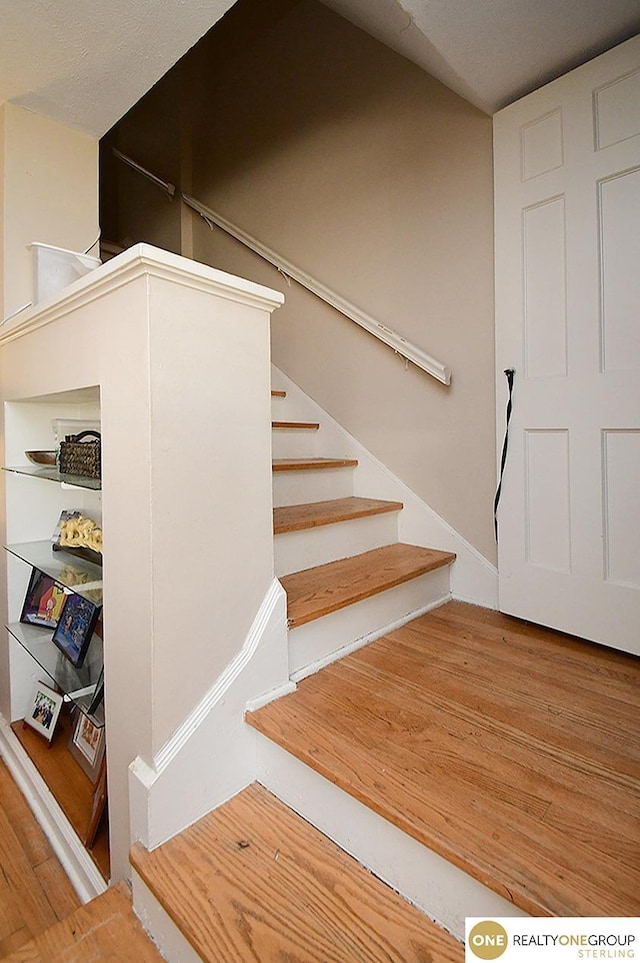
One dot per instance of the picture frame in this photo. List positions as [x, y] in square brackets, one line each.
[98, 694]
[43, 711]
[98, 805]
[87, 745]
[75, 628]
[44, 601]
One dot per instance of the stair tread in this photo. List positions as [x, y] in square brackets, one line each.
[508, 749]
[253, 881]
[294, 518]
[311, 464]
[104, 929]
[278, 394]
[296, 425]
[318, 591]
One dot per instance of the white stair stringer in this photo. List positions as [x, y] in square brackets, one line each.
[323, 640]
[295, 551]
[473, 577]
[442, 891]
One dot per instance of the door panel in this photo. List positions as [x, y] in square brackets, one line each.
[567, 184]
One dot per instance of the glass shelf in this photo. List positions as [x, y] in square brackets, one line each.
[52, 474]
[82, 577]
[78, 684]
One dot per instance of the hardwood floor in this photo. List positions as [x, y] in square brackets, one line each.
[34, 890]
[511, 750]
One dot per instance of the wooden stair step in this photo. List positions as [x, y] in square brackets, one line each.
[253, 881]
[104, 929]
[295, 425]
[318, 591]
[295, 518]
[508, 749]
[312, 464]
[278, 394]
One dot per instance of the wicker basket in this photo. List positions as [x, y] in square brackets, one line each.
[80, 457]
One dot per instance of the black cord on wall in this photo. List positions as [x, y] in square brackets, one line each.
[510, 373]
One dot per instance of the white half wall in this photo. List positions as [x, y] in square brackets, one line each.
[212, 756]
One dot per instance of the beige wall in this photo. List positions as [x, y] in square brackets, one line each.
[365, 172]
[50, 194]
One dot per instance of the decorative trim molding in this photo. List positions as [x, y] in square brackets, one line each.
[170, 750]
[142, 261]
[407, 350]
[78, 865]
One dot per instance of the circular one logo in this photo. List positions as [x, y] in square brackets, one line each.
[488, 940]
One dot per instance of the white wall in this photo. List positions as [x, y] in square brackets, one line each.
[375, 178]
[49, 194]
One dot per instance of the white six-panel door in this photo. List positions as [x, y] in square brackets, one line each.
[567, 180]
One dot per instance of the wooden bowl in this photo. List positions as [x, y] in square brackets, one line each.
[42, 457]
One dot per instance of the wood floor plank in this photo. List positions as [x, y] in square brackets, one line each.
[512, 751]
[318, 591]
[34, 906]
[296, 518]
[55, 883]
[311, 464]
[33, 841]
[14, 942]
[106, 929]
[253, 881]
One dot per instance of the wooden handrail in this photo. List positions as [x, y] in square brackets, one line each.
[407, 350]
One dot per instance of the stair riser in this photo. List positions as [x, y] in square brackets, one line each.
[294, 442]
[441, 890]
[298, 487]
[166, 935]
[330, 637]
[295, 551]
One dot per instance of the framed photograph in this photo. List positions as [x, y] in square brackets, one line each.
[43, 711]
[75, 628]
[86, 745]
[44, 601]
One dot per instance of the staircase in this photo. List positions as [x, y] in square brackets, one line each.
[253, 880]
[453, 756]
[477, 765]
[346, 575]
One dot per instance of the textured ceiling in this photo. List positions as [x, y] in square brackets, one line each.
[84, 63]
[493, 51]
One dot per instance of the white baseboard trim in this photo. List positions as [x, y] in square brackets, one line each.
[83, 873]
[439, 889]
[254, 704]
